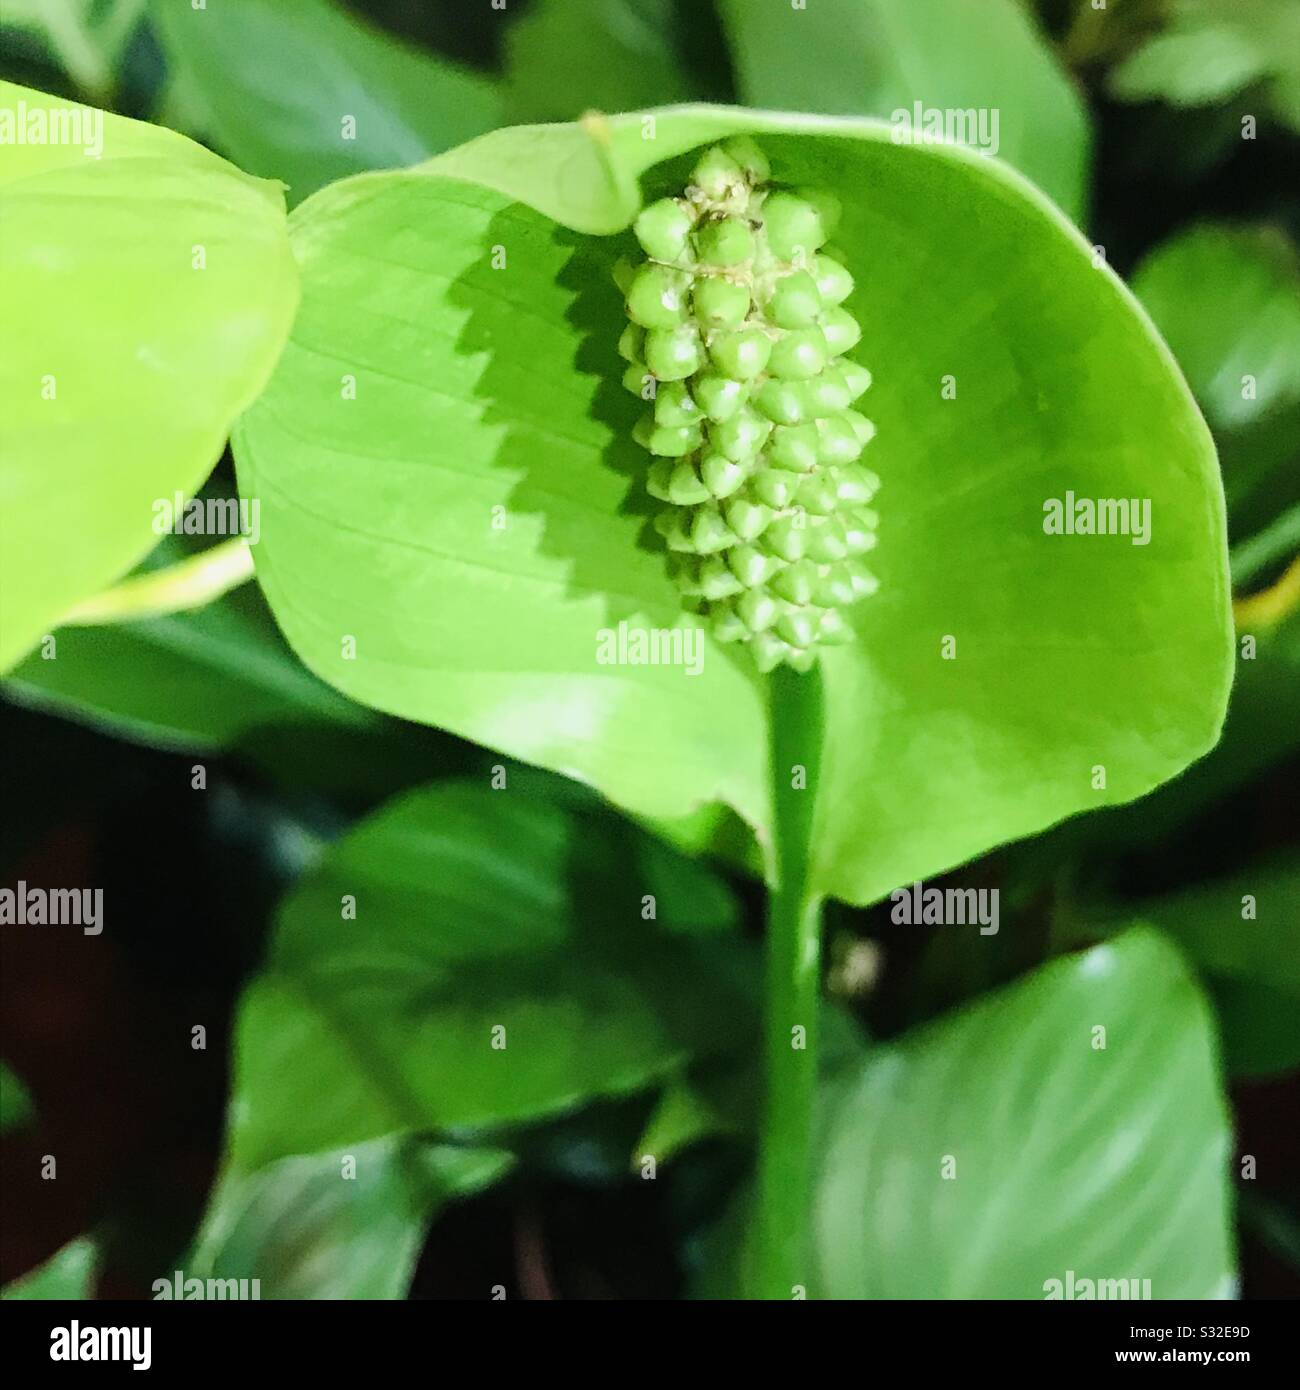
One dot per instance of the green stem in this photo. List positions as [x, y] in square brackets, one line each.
[793, 992]
[192, 583]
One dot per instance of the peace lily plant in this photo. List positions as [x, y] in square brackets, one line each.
[420, 373]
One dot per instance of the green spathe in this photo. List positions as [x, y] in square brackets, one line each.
[476, 513]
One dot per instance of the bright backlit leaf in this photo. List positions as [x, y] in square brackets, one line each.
[148, 288]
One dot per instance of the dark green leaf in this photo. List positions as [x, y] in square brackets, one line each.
[335, 1226]
[300, 90]
[476, 911]
[200, 679]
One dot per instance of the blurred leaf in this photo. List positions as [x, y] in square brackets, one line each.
[1208, 922]
[723, 1097]
[1108, 1162]
[309, 1228]
[1253, 961]
[564, 57]
[1275, 1220]
[84, 37]
[299, 90]
[693, 1107]
[202, 679]
[477, 910]
[124, 362]
[16, 1107]
[1227, 300]
[876, 57]
[1213, 49]
[67, 1275]
[476, 516]
[1279, 540]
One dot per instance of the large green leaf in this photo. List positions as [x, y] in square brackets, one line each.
[878, 57]
[1062, 1155]
[148, 292]
[301, 91]
[335, 1226]
[472, 515]
[476, 910]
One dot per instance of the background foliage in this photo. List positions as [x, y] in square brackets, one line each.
[321, 1042]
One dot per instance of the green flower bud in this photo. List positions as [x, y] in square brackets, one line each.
[797, 355]
[856, 378]
[795, 301]
[776, 489]
[721, 475]
[640, 381]
[685, 487]
[674, 405]
[834, 283]
[793, 227]
[838, 443]
[726, 242]
[673, 354]
[631, 345]
[742, 436]
[664, 229]
[841, 331]
[667, 441]
[719, 396]
[719, 303]
[741, 355]
[657, 296]
[750, 416]
[795, 449]
[752, 160]
[826, 205]
[828, 394]
[717, 175]
[782, 402]
[624, 273]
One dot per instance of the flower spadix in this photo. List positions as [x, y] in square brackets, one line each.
[737, 343]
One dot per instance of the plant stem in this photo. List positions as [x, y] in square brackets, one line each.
[192, 583]
[793, 991]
